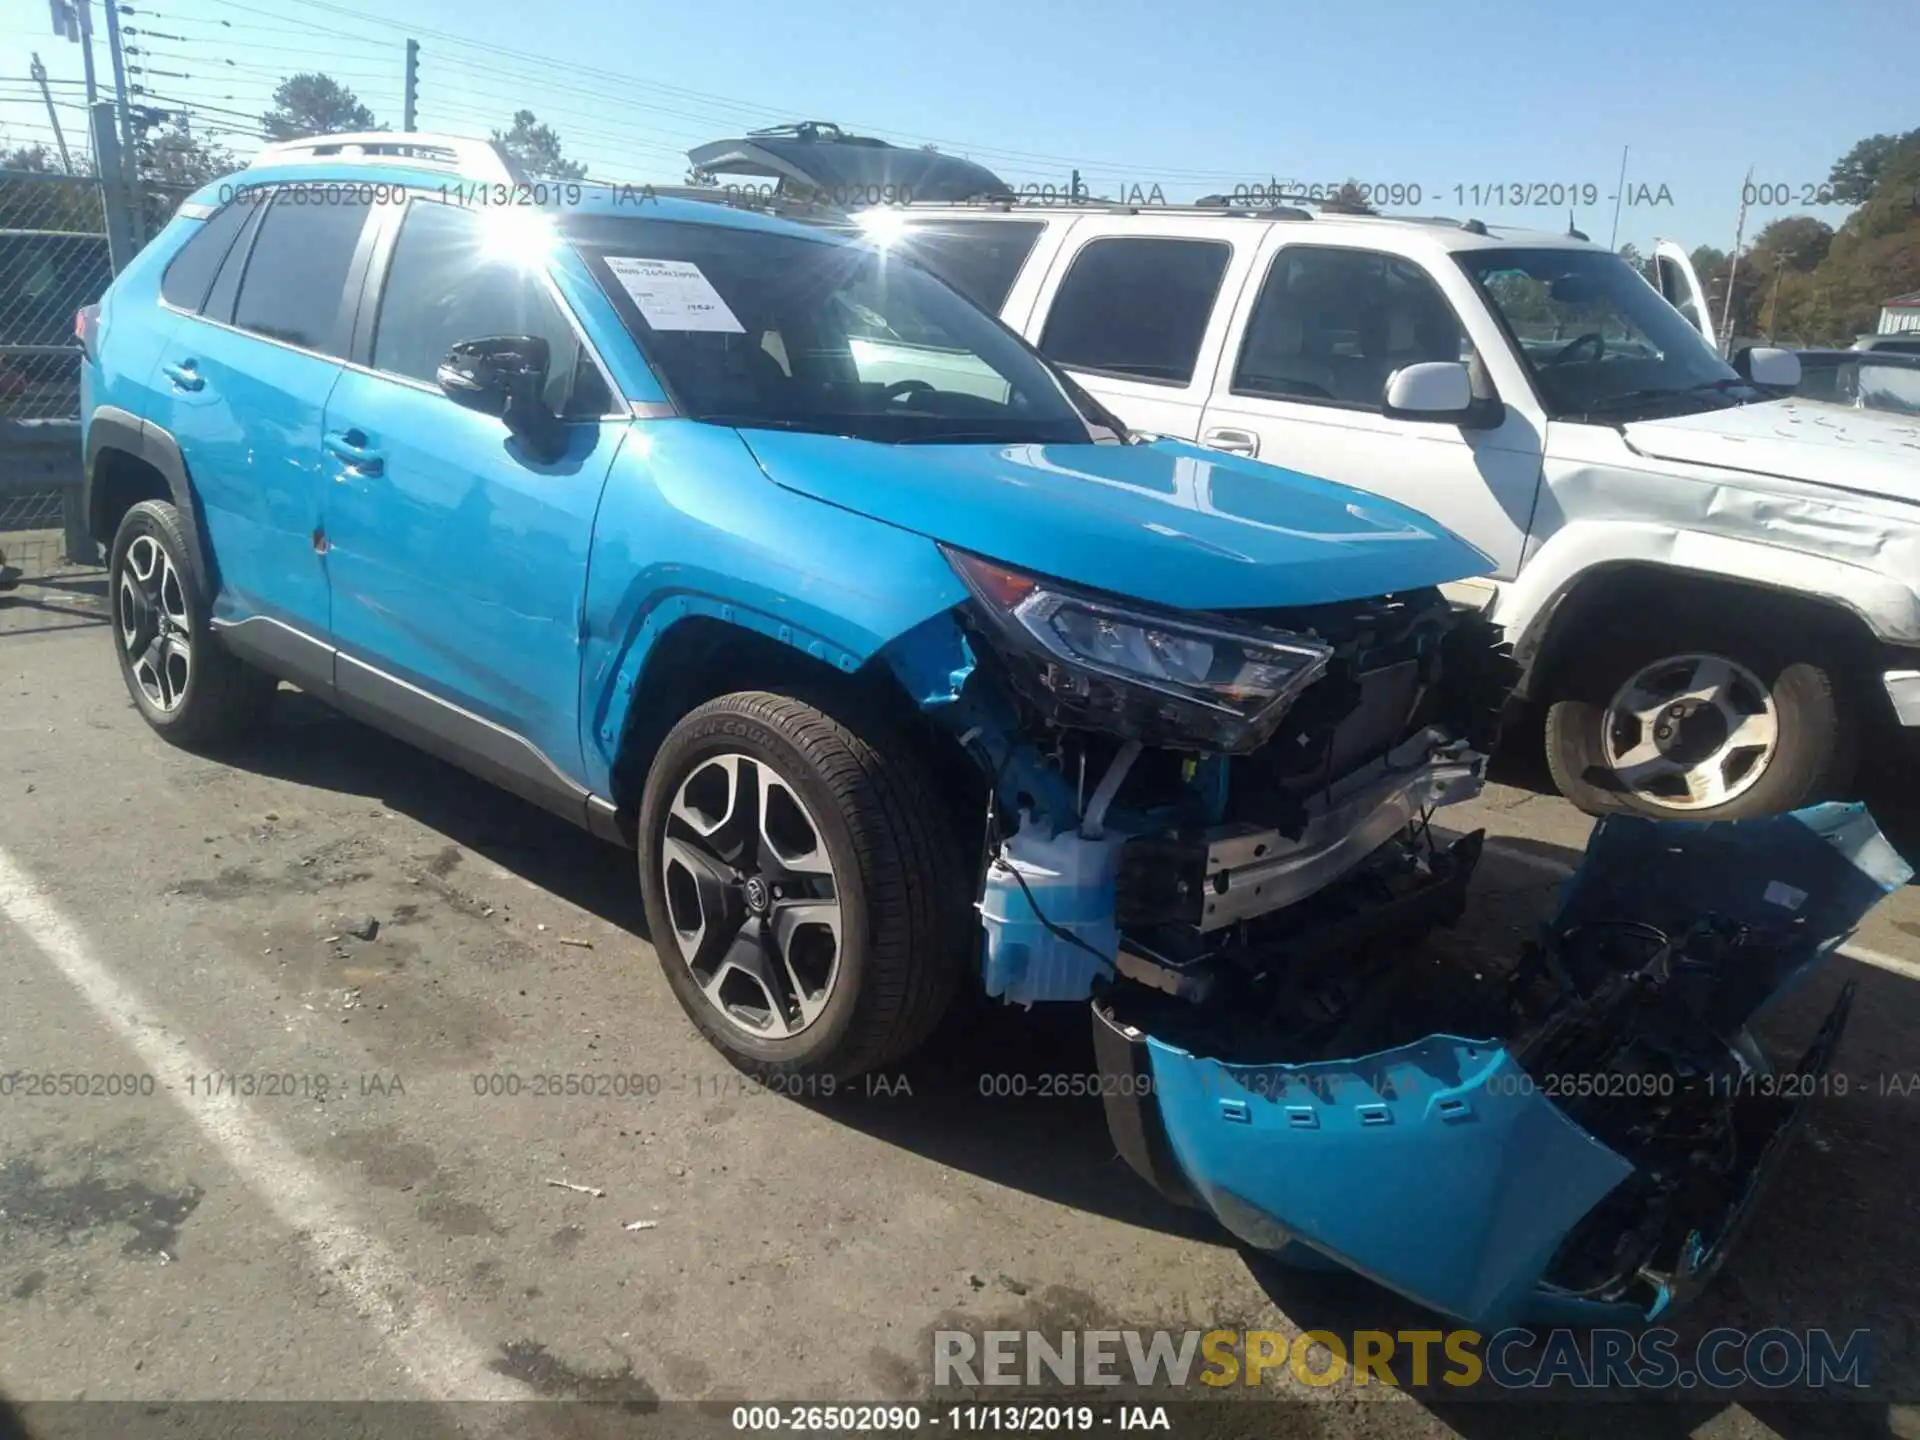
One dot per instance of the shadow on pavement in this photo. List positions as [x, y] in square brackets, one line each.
[310, 744]
[69, 602]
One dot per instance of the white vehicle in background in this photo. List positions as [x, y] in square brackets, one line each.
[1712, 586]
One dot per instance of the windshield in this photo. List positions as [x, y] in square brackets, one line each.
[756, 328]
[1598, 339]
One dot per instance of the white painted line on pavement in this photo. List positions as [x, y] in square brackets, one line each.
[444, 1363]
[1879, 959]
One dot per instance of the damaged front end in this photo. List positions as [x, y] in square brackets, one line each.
[1174, 791]
[1573, 1137]
[1215, 828]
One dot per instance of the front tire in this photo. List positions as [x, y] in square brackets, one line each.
[1709, 721]
[185, 685]
[804, 892]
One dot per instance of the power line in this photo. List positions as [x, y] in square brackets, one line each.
[754, 109]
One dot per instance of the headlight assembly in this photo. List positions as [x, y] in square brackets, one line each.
[1159, 677]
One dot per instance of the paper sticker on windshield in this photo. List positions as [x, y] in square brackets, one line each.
[673, 294]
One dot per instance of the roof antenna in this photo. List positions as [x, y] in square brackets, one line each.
[1572, 232]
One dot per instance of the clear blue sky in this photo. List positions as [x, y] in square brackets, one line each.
[1192, 96]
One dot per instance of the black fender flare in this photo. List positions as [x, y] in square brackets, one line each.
[114, 429]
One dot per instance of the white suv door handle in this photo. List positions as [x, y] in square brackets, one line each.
[1234, 442]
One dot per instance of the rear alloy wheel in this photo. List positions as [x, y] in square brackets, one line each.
[185, 685]
[156, 631]
[1713, 727]
[803, 891]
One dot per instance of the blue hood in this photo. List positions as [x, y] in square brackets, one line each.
[1165, 522]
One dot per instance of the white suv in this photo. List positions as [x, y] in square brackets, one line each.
[1712, 588]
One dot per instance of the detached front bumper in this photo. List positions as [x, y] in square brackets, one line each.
[1465, 1172]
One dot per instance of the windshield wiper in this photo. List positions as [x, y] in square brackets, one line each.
[768, 422]
[1627, 398]
[967, 437]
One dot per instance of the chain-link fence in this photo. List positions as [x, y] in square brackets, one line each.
[53, 261]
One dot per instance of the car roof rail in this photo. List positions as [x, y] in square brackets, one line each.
[1206, 205]
[764, 202]
[418, 150]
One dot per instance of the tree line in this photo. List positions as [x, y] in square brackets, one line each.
[173, 159]
[1803, 282]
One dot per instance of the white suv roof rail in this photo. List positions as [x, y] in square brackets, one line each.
[472, 159]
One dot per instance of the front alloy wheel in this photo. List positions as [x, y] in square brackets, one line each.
[1716, 719]
[752, 896]
[1690, 732]
[803, 883]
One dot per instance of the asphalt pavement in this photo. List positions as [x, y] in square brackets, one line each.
[313, 988]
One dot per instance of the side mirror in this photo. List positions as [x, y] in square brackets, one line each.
[1765, 365]
[1439, 390]
[506, 375]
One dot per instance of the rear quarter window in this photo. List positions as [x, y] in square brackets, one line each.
[190, 273]
[979, 258]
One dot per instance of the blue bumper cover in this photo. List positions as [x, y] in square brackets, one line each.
[1441, 1169]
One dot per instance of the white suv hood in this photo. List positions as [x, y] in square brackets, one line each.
[1863, 450]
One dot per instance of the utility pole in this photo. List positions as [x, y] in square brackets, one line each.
[1733, 264]
[129, 147]
[409, 107]
[39, 73]
[113, 201]
[72, 22]
[1773, 305]
[1619, 191]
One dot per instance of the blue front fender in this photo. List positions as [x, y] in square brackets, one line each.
[689, 525]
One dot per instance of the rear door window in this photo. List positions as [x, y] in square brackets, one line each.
[294, 289]
[1136, 307]
[979, 258]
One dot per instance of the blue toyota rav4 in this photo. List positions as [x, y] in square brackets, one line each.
[901, 666]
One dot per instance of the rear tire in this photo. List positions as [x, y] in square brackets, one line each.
[1704, 720]
[191, 690]
[822, 931]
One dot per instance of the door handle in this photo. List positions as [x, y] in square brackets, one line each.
[184, 375]
[350, 447]
[1234, 442]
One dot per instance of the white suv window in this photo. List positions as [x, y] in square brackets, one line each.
[1331, 325]
[979, 258]
[1136, 307]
